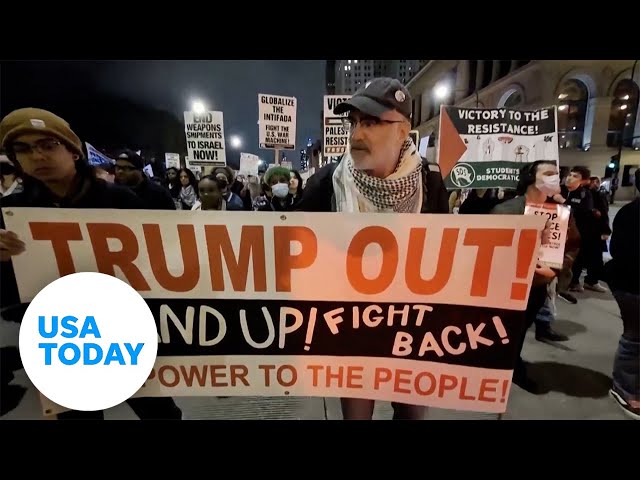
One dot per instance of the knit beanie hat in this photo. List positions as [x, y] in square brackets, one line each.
[35, 120]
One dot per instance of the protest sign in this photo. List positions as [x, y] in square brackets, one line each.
[205, 138]
[486, 148]
[97, 158]
[277, 122]
[335, 135]
[249, 164]
[552, 253]
[286, 164]
[272, 305]
[172, 160]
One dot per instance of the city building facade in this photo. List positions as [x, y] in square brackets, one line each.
[597, 101]
[352, 74]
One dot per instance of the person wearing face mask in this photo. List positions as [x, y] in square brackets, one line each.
[380, 172]
[225, 179]
[538, 183]
[276, 182]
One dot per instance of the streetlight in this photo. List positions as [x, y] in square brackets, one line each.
[198, 107]
[235, 141]
[441, 91]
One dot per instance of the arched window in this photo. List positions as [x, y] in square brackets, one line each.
[624, 111]
[572, 110]
[513, 97]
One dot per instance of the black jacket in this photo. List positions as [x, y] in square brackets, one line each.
[154, 196]
[623, 270]
[95, 193]
[318, 193]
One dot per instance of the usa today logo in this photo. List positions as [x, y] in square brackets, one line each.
[88, 341]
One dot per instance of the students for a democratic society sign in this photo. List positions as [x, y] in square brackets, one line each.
[205, 138]
[335, 135]
[486, 148]
[277, 122]
[270, 305]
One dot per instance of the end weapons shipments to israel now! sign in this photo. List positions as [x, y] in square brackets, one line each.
[205, 138]
[277, 122]
[486, 148]
[336, 137]
[271, 305]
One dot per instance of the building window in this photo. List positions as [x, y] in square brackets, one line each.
[624, 111]
[572, 109]
[514, 100]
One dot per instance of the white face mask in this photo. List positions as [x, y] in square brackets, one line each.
[280, 190]
[549, 185]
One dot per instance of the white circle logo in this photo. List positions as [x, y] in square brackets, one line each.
[88, 341]
[463, 175]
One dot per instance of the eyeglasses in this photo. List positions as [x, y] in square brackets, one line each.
[46, 145]
[365, 122]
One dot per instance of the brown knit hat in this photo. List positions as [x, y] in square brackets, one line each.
[35, 120]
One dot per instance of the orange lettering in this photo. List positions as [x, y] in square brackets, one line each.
[486, 388]
[215, 375]
[399, 379]
[106, 260]
[463, 391]
[486, 239]
[59, 234]
[163, 379]
[383, 237]
[415, 282]
[381, 375]
[239, 372]
[189, 249]
[284, 261]
[315, 370]
[251, 244]
[447, 382]
[418, 385]
[354, 377]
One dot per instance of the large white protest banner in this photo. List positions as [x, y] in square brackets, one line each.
[272, 305]
[277, 121]
[205, 138]
[335, 135]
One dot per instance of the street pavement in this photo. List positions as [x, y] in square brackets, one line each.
[575, 377]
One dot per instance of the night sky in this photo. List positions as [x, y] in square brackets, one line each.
[230, 86]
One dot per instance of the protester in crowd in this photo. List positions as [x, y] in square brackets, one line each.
[601, 212]
[277, 181]
[381, 172]
[210, 195]
[172, 182]
[538, 183]
[240, 188]
[129, 173]
[10, 181]
[226, 179]
[295, 189]
[623, 277]
[50, 155]
[188, 189]
[576, 194]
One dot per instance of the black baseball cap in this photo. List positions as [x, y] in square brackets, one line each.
[379, 95]
[131, 157]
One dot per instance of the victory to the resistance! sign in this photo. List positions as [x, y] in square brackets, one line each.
[335, 136]
[270, 305]
[486, 148]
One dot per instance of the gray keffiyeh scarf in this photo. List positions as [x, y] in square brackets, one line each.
[400, 192]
